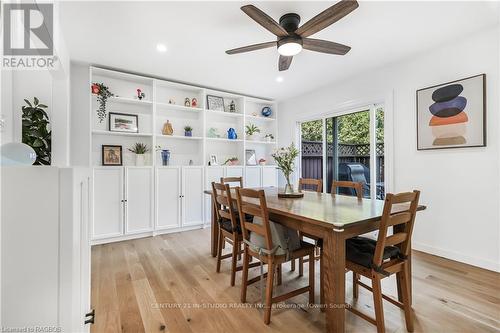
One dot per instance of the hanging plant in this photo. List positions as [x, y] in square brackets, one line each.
[103, 94]
[36, 130]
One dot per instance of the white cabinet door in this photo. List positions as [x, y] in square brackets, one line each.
[138, 199]
[234, 172]
[192, 195]
[168, 198]
[212, 174]
[252, 177]
[108, 205]
[269, 176]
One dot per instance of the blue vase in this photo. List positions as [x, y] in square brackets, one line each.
[165, 157]
[188, 133]
[266, 111]
[231, 134]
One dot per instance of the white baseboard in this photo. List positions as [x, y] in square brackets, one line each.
[478, 262]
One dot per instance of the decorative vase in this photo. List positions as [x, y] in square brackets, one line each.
[139, 159]
[188, 133]
[231, 134]
[266, 111]
[165, 157]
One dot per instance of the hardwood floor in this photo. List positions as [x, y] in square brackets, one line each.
[168, 283]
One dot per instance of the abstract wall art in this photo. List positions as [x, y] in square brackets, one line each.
[452, 115]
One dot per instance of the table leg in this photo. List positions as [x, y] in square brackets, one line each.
[214, 230]
[334, 281]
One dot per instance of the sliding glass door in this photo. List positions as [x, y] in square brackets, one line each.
[354, 150]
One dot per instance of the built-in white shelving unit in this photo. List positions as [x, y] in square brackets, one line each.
[132, 201]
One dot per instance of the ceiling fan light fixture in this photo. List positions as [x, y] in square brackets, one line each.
[289, 46]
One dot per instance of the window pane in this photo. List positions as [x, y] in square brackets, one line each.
[312, 150]
[380, 152]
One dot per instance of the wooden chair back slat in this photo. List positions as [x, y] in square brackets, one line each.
[229, 180]
[318, 183]
[259, 210]
[357, 186]
[403, 236]
[221, 195]
[399, 218]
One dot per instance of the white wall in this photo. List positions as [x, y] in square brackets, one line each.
[459, 186]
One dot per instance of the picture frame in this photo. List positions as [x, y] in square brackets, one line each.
[215, 103]
[123, 122]
[112, 155]
[452, 114]
[250, 157]
[213, 160]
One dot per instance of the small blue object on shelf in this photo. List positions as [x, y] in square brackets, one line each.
[165, 157]
[188, 133]
[231, 134]
[266, 111]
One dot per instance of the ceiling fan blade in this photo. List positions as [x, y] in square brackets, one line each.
[327, 17]
[253, 47]
[284, 63]
[324, 46]
[264, 20]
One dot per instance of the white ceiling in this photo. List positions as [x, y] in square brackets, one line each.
[124, 35]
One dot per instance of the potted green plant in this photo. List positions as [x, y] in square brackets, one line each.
[103, 94]
[139, 149]
[269, 137]
[285, 161]
[188, 130]
[36, 131]
[251, 130]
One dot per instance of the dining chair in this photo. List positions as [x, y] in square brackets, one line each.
[357, 186]
[381, 258]
[229, 227]
[231, 180]
[259, 243]
[317, 184]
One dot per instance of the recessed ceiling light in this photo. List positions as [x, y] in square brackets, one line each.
[279, 79]
[161, 47]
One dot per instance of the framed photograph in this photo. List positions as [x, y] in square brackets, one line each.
[452, 115]
[112, 155]
[250, 157]
[215, 103]
[122, 122]
[213, 160]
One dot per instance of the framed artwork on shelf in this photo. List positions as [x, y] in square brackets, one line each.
[215, 103]
[452, 115]
[250, 157]
[112, 155]
[213, 160]
[122, 122]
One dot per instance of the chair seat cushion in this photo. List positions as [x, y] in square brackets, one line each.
[361, 250]
[227, 225]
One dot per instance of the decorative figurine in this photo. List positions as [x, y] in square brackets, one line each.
[266, 111]
[167, 129]
[232, 107]
[231, 134]
[213, 133]
[191, 162]
[171, 101]
[140, 94]
[187, 102]
[194, 103]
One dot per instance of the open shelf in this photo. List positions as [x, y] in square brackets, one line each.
[224, 139]
[178, 107]
[260, 118]
[100, 132]
[180, 137]
[226, 114]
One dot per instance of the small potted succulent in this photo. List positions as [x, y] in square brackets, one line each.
[262, 161]
[188, 130]
[251, 130]
[232, 161]
[139, 149]
[269, 137]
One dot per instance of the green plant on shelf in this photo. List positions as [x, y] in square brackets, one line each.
[188, 128]
[103, 94]
[252, 129]
[139, 148]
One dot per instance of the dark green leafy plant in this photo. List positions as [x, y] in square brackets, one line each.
[103, 94]
[36, 130]
[188, 128]
[252, 129]
[139, 148]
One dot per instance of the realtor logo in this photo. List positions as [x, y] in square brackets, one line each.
[28, 35]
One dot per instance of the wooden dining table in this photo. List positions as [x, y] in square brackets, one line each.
[333, 218]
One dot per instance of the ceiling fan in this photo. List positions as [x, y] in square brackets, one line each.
[291, 38]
